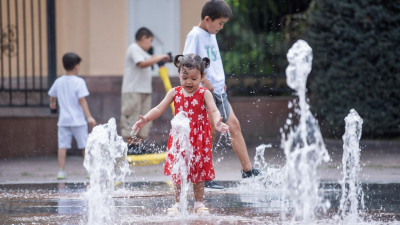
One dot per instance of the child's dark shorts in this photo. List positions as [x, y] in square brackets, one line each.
[221, 100]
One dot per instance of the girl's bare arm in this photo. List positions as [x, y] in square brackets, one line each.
[160, 108]
[154, 112]
[215, 114]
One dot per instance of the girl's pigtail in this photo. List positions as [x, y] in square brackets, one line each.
[206, 62]
[177, 60]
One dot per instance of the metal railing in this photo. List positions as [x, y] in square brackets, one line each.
[27, 45]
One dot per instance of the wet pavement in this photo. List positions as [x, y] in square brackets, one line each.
[30, 193]
[145, 202]
[380, 162]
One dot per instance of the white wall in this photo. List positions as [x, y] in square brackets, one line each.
[163, 18]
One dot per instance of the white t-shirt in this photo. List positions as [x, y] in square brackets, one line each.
[204, 44]
[69, 89]
[136, 79]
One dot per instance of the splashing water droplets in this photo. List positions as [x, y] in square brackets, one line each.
[182, 152]
[105, 161]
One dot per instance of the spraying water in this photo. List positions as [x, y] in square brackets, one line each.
[259, 160]
[182, 152]
[303, 146]
[351, 168]
[105, 161]
[272, 178]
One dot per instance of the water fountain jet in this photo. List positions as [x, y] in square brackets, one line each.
[303, 146]
[182, 152]
[105, 161]
[351, 168]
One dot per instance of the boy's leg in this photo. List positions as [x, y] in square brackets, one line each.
[81, 134]
[62, 152]
[64, 135]
[238, 143]
[211, 183]
[129, 103]
[134, 105]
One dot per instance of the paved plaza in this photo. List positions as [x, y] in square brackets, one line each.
[380, 162]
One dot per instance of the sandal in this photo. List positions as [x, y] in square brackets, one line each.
[175, 210]
[201, 210]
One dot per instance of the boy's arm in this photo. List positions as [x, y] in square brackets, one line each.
[53, 95]
[85, 107]
[207, 84]
[215, 114]
[154, 112]
[153, 60]
[53, 101]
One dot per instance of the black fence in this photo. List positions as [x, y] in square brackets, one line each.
[28, 52]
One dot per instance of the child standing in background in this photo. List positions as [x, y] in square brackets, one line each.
[70, 90]
[136, 87]
[198, 103]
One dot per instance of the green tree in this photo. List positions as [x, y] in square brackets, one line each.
[253, 42]
[356, 64]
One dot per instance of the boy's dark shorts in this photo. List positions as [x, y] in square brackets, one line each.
[221, 100]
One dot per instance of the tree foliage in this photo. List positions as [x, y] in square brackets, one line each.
[254, 40]
[356, 64]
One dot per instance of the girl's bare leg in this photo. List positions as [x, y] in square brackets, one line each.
[177, 188]
[198, 189]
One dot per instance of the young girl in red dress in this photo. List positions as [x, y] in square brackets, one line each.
[196, 101]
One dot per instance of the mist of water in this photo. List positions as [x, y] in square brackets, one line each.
[303, 145]
[351, 186]
[105, 161]
[182, 152]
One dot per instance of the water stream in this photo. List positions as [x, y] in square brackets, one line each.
[182, 152]
[351, 186]
[303, 144]
[105, 161]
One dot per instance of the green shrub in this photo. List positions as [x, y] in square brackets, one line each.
[356, 64]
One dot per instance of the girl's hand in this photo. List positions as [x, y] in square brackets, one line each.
[221, 127]
[139, 124]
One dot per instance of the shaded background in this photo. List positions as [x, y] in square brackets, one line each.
[355, 48]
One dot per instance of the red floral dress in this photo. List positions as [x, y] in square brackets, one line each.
[202, 168]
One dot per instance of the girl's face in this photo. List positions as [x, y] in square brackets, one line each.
[190, 79]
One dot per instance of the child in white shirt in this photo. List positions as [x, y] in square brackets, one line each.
[70, 90]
